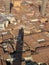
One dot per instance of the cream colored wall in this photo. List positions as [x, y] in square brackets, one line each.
[16, 2]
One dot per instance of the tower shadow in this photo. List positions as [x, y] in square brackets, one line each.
[11, 6]
[19, 46]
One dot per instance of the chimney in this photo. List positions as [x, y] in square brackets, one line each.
[43, 7]
[7, 6]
